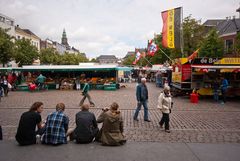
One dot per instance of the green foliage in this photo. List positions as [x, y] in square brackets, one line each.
[129, 60]
[237, 44]
[159, 57]
[71, 59]
[93, 60]
[212, 46]
[6, 47]
[25, 53]
[49, 56]
[193, 33]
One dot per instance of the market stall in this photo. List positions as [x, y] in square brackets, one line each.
[65, 76]
[200, 74]
[204, 76]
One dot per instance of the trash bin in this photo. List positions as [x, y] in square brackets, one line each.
[194, 98]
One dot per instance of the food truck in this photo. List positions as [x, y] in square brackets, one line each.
[200, 73]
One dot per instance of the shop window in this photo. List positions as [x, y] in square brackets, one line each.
[229, 46]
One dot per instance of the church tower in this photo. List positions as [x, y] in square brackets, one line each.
[64, 39]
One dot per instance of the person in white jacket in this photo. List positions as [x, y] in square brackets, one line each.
[165, 106]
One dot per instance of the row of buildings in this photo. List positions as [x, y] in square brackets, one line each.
[19, 33]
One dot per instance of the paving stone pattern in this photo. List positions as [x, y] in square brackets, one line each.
[205, 122]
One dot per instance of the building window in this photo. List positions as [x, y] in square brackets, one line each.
[229, 46]
[2, 19]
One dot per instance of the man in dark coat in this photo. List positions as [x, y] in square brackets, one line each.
[86, 126]
[142, 99]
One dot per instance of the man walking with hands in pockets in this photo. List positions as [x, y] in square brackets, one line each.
[142, 99]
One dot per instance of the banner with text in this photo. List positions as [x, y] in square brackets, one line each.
[171, 34]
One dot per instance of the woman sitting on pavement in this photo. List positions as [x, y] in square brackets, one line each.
[56, 127]
[26, 134]
[86, 126]
[111, 132]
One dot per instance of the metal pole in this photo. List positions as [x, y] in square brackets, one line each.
[165, 54]
[181, 32]
[147, 60]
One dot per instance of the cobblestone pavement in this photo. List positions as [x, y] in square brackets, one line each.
[205, 122]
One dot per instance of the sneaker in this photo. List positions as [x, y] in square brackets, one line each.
[135, 119]
[160, 125]
[168, 131]
[222, 103]
[38, 139]
[147, 120]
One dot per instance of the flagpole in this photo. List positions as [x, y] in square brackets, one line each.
[165, 54]
[181, 32]
[148, 61]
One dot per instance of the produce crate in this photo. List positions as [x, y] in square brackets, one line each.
[110, 87]
[99, 86]
[22, 88]
[51, 86]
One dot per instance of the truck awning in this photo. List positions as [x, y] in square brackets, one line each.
[215, 67]
[222, 68]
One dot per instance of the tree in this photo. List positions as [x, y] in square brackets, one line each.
[72, 59]
[6, 47]
[25, 53]
[159, 57]
[128, 61]
[212, 46]
[237, 44]
[93, 60]
[49, 56]
[193, 33]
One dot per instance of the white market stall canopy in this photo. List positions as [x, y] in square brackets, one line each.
[65, 68]
[161, 68]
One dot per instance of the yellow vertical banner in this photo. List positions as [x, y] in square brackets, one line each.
[170, 38]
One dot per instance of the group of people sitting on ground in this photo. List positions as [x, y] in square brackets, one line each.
[55, 130]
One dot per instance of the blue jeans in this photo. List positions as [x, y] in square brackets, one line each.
[139, 105]
[215, 95]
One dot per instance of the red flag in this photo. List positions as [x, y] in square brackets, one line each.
[152, 48]
[193, 55]
[138, 57]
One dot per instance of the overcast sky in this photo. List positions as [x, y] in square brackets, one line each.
[98, 27]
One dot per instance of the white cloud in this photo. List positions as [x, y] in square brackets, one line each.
[106, 26]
